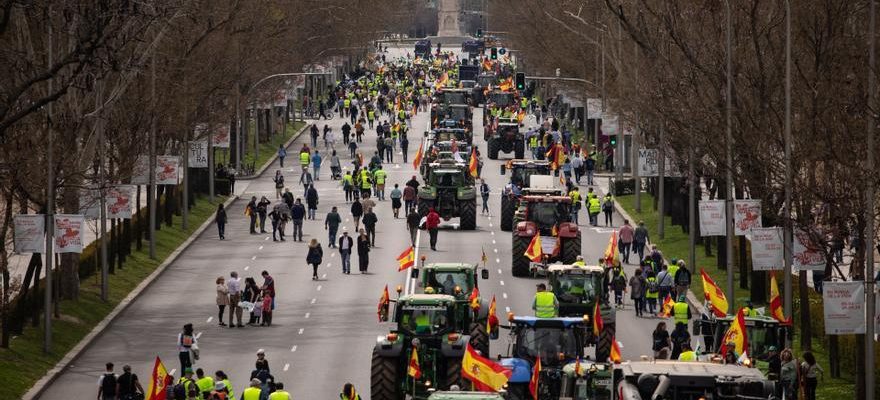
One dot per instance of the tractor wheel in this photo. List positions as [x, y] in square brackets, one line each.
[519, 149]
[571, 249]
[453, 373]
[383, 378]
[603, 344]
[480, 338]
[520, 262]
[493, 147]
[518, 391]
[468, 213]
[508, 208]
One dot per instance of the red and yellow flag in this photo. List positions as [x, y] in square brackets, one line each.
[506, 85]
[714, 295]
[536, 375]
[473, 163]
[406, 259]
[360, 159]
[598, 325]
[156, 389]
[612, 253]
[414, 370]
[736, 334]
[487, 65]
[418, 159]
[615, 351]
[520, 116]
[776, 302]
[384, 301]
[535, 252]
[485, 374]
[666, 308]
[474, 299]
[577, 367]
[492, 319]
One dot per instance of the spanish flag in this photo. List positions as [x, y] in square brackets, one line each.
[485, 374]
[666, 308]
[158, 382]
[736, 334]
[418, 159]
[487, 65]
[414, 371]
[383, 304]
[776, 302]
[714, 295]
[474, 299]
[360, 159]
[534, 252]
[536, 375]
[406, 259]
[520, 116]
[612, 253]
[615, 351]
[506, 85]
[598, 325]
[472, 164]
[492, 319]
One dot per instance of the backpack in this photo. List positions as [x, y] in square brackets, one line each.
[653, 287]
[607, 205]
[182, 391]
[108, 384]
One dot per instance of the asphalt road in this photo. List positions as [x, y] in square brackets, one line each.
[323, 331]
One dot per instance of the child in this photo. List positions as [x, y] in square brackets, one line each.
[267, 310]
[258, 310]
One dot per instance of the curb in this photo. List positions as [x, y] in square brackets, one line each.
[270, 161]
[37, 389]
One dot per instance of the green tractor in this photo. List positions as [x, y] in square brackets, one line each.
[450, 190]
[504, 136]
[460, 280]
[762, 331]
[523, 174]
[578, 289]
[426, 322]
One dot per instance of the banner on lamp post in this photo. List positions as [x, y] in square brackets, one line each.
[69, 233]
[712, 214]
[167, 170]
[806, 255]
[119, 202]
[220, 136]
[746, 215]
[140, 171]
[767, 250]
[649, 165]
[198, 154]
[30, 233]
[844, 307]
[90, 203]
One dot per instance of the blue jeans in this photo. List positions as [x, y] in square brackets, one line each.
[312, 213]
[346, 260]
[332, 237]
[590, 176]
[317, 173]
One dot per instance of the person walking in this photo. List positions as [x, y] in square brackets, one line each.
[679, 336]
[331, 224]
[234, 287]
[594, 207]
[251, 294]
[107, 384]
[262, 211]
[636, 291]
[379, 177]
[404, 147]
[788, 375]
[577, 166]
[652, 290]
[810, 372]
[222, 299]
[352, 149]
[412, 224]
[186, 342]
[305, 155]
[220, 219]
[626, 240]
[608, 209]
[575, 196]
[277, 216]
[279, 183]
[618, 285]
[409, 198]
[297, 214]
[128, 387]
[370, 221]
[312, 201]
[432, 224]
[254, 391]
[348, 393]
[484, 194]
[345, 245]
[363, 249]
[316, 165]
[396, 195]
[348, 186]
[661, 343]
[590, 168]
[640, 239]
[313, 131]
[251, 211]
[306, 180]
[335, 166]
[314, 257]
[282, 154]
[664, 283]
[357, 210]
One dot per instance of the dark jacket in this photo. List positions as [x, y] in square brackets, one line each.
[221, 217]
[333, 220]
[412, 220]
[315, 254]
[312, 198]
[363, 244]
[357, 209]
[297, 212]
[370, 219]
[350, 242]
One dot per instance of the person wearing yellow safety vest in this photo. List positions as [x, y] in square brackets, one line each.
[651, 290]
[279, 393]
[579, 261]
[346, 104]
[545, 304]
[253, 392]
[575, 203]
[371, 116]
[686, 353]
[523, 103]
[749, 309]
[205, 383]
[681, 313]
[379, 177]
[304, 159]
[348, 186]
[366, 185]
[348, 393]
[594, 207]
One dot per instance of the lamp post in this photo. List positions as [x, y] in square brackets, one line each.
[729, 181]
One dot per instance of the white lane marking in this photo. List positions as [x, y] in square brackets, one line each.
[489, 216]
[319, 287]
[247, 267]
[504, 295]
[490, 225]
[329, 265]
[286, 366]
[253, 258]
[496, 250]
[346, 220]
[492, 233]
[501, 282]
[198, 335]
[308, 315]
[314, 300]
[293, 349]
[507, 309]
[173, 370]
[209, 320]
[493, 241]
[301, 330]
[267, 238]
[332, 254]
[499, 270]
[323, 276]
[260, 248]
[498, 260]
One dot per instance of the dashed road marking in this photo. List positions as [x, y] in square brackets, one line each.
[319, 287]
[267, 238]
[293, 349]
[499, 270]
[247, 267]
[501, 282]
[301, 330]
[490, 225]
[496, 250]
[209, 320]
[493, 241]
[507, 309]
[253, 258]
[260, 248]
[308, 315]
[498, 260]
[492, 233]
[504, 295]
[198, 335]
[286, 366]
[323, 276]
[314, 300]
[173, 370]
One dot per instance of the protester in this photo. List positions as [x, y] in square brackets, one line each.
[412, 224]
[314, 257]
[661, 342]
[637, 285]
[626, 233]
[297, 214]
[357, 210]
[220, 219]
[186, 342]
[345, 245]
[432, 224]
[251, 211]
[484, 194]
[640, 239]
[251, 294]
[234, 286]
[279, 182]
[810, 372]
[396, 195]
[128, 387]
[282, 154]
[363, 249]
[107, 384]
[222, 298]
[312, 201]
[262, 208]
[370, 221]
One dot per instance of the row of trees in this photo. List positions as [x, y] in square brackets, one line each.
[103, 76]
[665, 67]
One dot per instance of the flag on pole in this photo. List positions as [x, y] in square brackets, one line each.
[474, 299]
[472, 165]
[666, 308]
[776, 302]
[536, 374]
[418, 158]
[714, 295]
[577, 368]
[615, 351]
[492, 319]
[483, 258]
[598, 325]
[384, 301]
[534, 252]
[414, 371]
[485, 374]
[612, 253]
[736, 334]
[506, 85]
[406, 259]
[156, 389]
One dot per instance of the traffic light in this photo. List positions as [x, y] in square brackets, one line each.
[480, 32]
[520, 81]
[493, 54]
[613, 140]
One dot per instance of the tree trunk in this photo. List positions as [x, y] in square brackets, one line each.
[743, 263]
[833, 362]
[804, 299]
[37, 301]
[5, 299]
[69, 267]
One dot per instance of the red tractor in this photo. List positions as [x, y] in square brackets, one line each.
[547, 216]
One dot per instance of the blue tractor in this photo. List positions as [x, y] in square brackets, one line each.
[565, 373]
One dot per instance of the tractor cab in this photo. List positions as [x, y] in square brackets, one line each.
[662, 379]
[546, 212]
[762, 332]
[425, 314]
[576, 287]
[460, 280]
[521, 170]
[449, 134]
